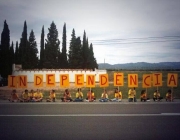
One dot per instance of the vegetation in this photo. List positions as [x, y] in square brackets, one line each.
[81, 55]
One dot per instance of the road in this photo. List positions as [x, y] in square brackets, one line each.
[88, 121]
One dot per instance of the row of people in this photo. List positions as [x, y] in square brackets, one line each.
[26, 96]
[37, 96]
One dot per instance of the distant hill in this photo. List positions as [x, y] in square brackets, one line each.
[142, 66]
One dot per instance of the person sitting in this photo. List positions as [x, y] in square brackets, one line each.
[79, 96]
[169, 96]
[132, 95]
[52, 96]
[157, 96]
[14, 97]
[90, 96]
[104, 97]
[38, 96]
[31, 95]
[25, 96]
[66, 96]
[144, 96]
[117, 95]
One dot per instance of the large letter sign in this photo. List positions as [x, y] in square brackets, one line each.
[22, 81]
[12, 81]
[172, 80]
[103, 80]
[79, 80]
[146, 82]
[50, 80]
[64, 80]
[90, 80]
[157, 79]
[118, 79]
[38, 80]
[132, 80]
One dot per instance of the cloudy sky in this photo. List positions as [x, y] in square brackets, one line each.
[122, 31]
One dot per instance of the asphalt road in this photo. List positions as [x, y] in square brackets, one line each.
[90, 121]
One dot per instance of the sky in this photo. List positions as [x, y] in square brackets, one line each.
[121, 31]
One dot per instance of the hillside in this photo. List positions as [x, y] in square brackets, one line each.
[142, 65]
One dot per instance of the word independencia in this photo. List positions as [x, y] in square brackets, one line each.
[148, 80]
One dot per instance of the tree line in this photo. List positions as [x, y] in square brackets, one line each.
[80, 55]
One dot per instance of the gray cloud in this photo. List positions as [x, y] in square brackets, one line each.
[102, 20]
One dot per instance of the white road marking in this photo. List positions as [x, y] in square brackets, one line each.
[90, 115]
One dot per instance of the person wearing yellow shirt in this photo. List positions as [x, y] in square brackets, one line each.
[25, 96]
[117, 95]
[79, 96]
[52, 96]
[31, 95]
[144, 96]
[90, 96]
[14, 96]
[132, 95]
[157, 96]
[104, 97]
[169, 96]
[38, 96]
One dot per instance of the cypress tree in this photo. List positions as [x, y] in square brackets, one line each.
[71, 49]
[42, 49]
[11, 57]
[23, 47]
[77, 54]
[6, 67]
[17, 61]
[85, 52]
[52, 47]
[64, 62]
[32, 59]
[92, 60]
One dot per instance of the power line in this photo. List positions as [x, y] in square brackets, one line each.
[142, 38]
[157, 41]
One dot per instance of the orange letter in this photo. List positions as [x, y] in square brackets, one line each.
[157, 79]
[90, 81]
[146, 80]
[12, 81]
[132, 80]
[22, 82]
[103, 80]
[172, 80]
[38, 80]
[118, 79]
[50, 80]
[79, 80]
[64, 80]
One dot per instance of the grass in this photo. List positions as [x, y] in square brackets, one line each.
[124, 89]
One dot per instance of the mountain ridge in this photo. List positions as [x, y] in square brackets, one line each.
[141, 65]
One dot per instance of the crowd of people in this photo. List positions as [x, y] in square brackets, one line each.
[37, 96]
